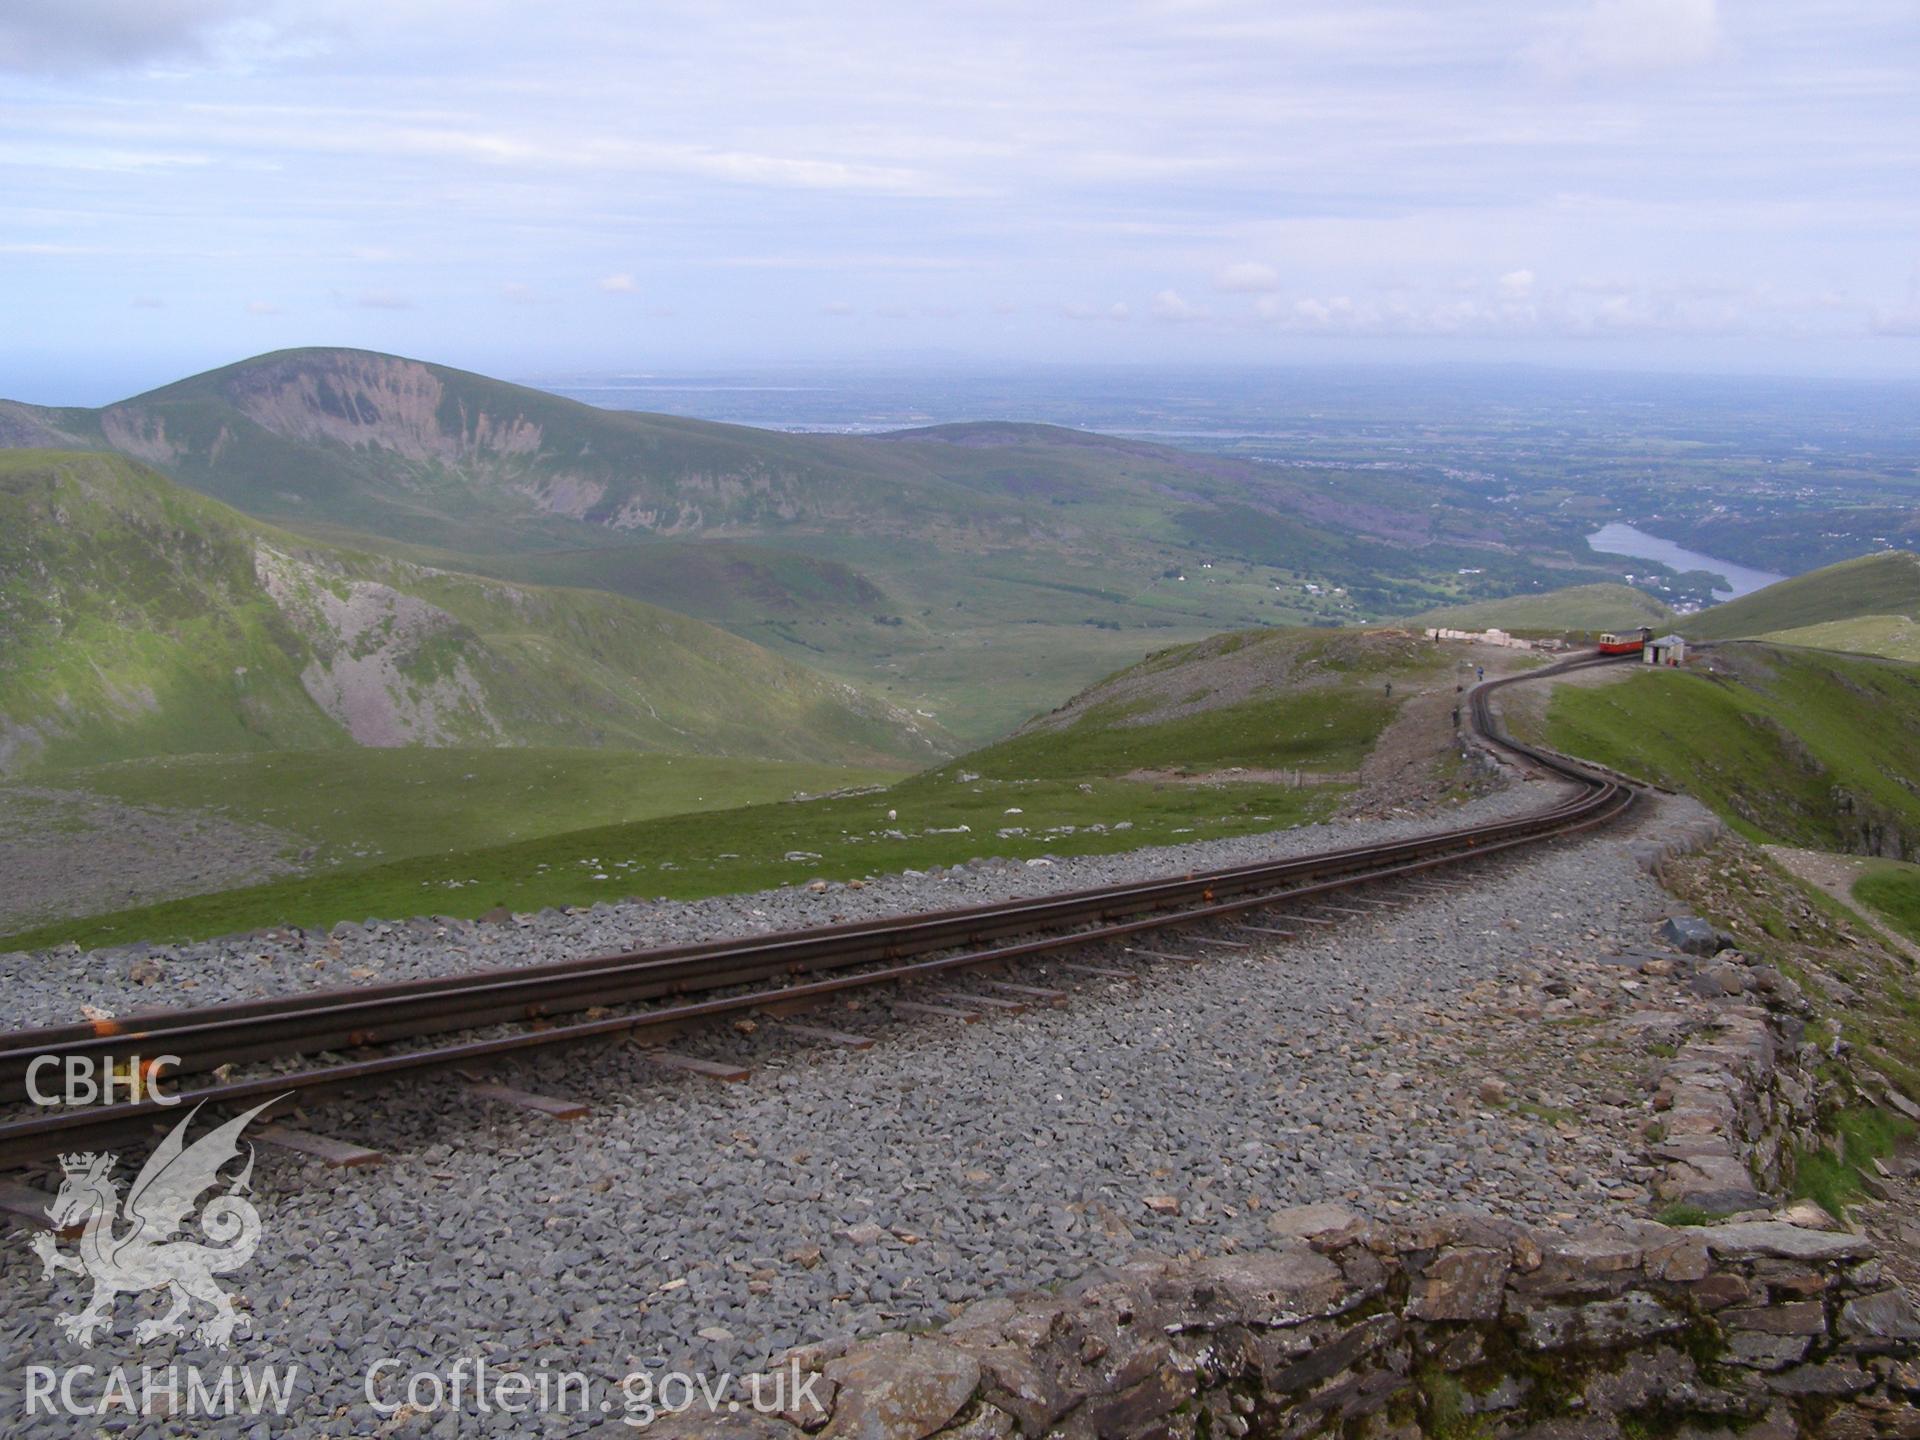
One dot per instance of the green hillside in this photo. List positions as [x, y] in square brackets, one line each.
[1072, 783]
[1893, 891]
[975, 573]
[349, 806]
[143, 619]
[1788, 745]
[134, 622]
[1895, 636]
[1578, 607]
[1887, 584]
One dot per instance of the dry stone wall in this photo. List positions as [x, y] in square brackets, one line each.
[1457, 1327]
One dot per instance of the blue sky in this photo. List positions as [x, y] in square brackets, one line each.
[522, 188]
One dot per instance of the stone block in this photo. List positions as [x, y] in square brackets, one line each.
[987, 1422]
[1354, 1344]
[900, 1388]
[1886, 1317]
[1797, 1317]
[1035, 1394]
[1757, 1350]
[1141, 1407]
[1323, 1226]
[1837, 1378]
[1691, 935]
[1461, 1283]
[1757, 1239]
[1601, 1324]
[1716, 1292]
[1273, 1288]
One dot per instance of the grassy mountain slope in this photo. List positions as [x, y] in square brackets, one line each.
[977, 572]
[352, 806]
[1893, 890]
[1789, 745]
[143, 619]
[1578, 607]
[1886, 584]
[1074, 782]
[134, 622]
[1895, 636]
[1283, 698]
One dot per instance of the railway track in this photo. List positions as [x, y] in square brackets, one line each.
[417, 1026]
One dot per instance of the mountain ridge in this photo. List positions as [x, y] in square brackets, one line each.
[975, 572]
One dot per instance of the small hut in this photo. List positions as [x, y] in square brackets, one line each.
[1667, 650]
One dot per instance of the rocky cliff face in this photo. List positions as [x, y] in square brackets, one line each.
[386, 665]
[1867, 829]
[353, 398]
[338, 428]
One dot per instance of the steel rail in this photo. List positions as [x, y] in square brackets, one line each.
[215, 1035]
[210, 1036]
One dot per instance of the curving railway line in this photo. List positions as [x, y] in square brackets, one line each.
[424, 1025]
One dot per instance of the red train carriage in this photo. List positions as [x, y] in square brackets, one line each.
[1611, 644]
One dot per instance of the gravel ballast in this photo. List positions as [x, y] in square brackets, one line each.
[690, 1224]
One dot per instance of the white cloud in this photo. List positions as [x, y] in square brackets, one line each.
[1172, 306]
[836, 308]
[1898, 322]
[262, 307]
[1634, 35]
[383, 300]
[32, 247]
[532, 150]
[1284, 164]
[518, 292]
[1314, 314]
[1249, 277]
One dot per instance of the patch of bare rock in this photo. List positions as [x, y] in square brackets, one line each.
[68, 852]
